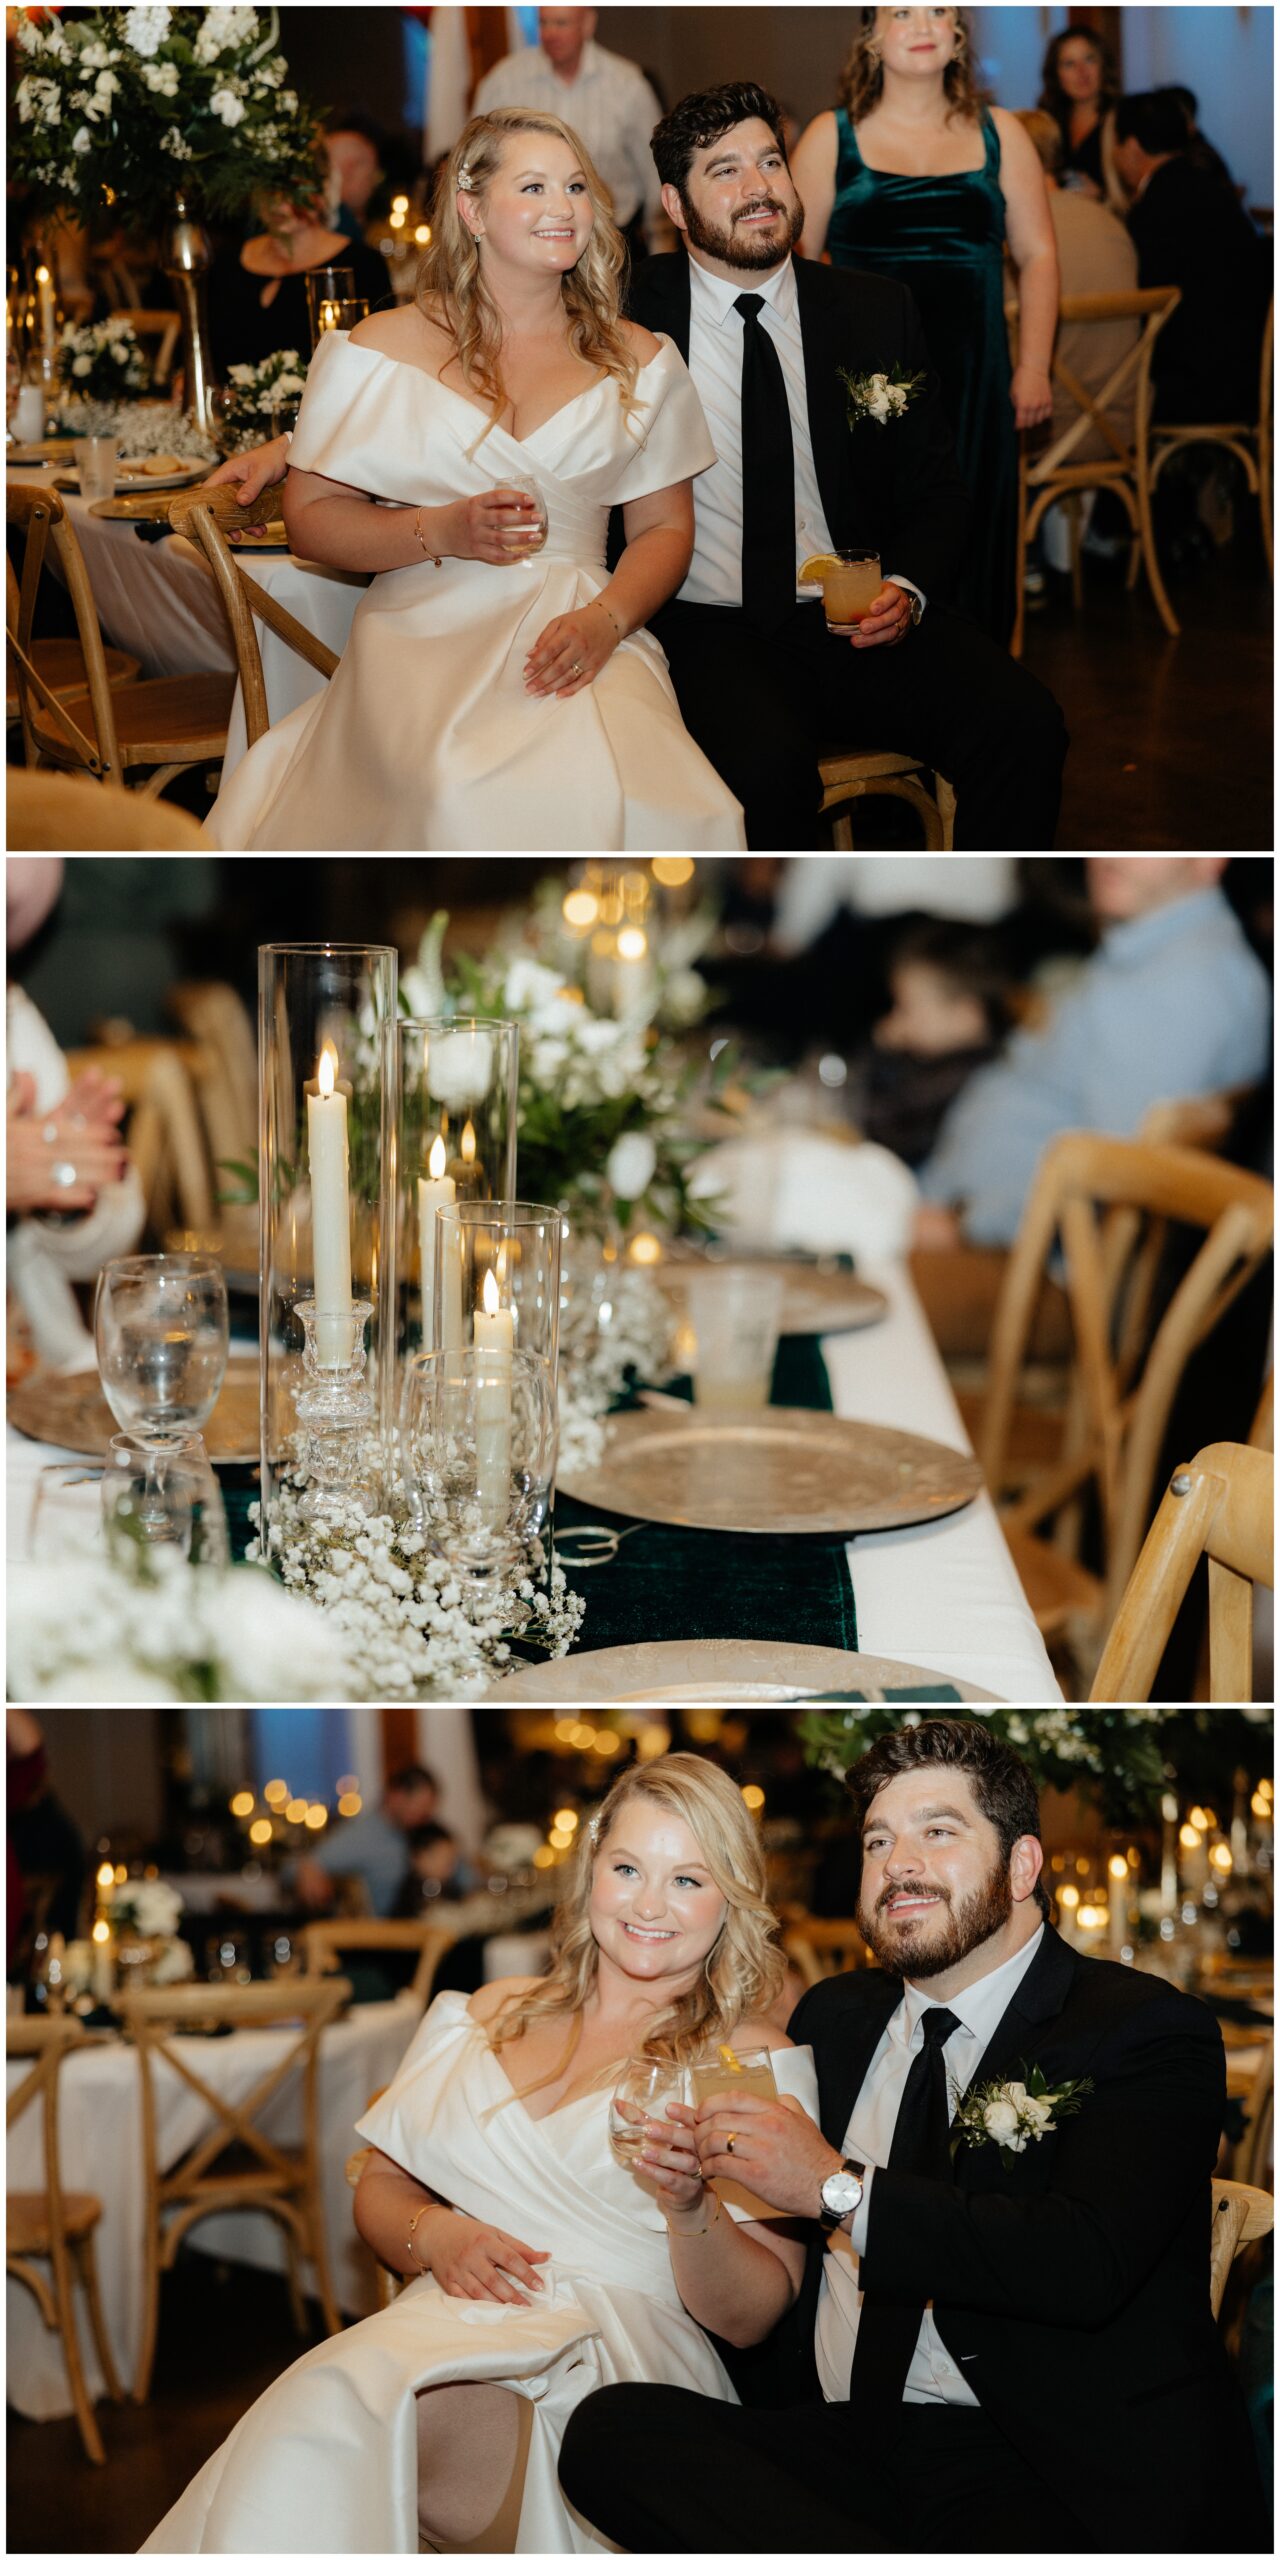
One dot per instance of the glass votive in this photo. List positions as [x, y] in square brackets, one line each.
[735, 1314]
[327, 285]
[497, 1282]
[477, 1444]
[96, 458]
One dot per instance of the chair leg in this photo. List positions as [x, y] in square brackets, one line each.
[947, 810]
[1077, 575]
[64, 2291]
[314, 2210]
[151, 2310]
[88, 2260]
[1147, 531]
[293, 2276]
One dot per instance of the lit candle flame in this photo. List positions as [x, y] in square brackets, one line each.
[326, 1072]
[489, 1295]
[436, 1159]
[468, 1149]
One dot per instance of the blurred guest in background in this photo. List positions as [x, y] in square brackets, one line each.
[435, 1869]
[949, 1016]
[1079, 89]
[44, 1852]
[1173, 1003]
[72, 1198]
[257, 289]
[1200, 151]
[609, 104]
[373, 1845]
[355, 158]
[1191, 230]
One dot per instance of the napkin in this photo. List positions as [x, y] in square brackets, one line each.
[796, 1188]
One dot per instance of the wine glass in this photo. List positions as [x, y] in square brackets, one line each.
[644, 2089]
[163, 1494]
[161, 1329]
[478, 1440]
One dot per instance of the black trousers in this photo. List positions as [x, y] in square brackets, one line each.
[659, 2469]
[763, 710]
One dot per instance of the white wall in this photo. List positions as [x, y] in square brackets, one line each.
[1225, 55]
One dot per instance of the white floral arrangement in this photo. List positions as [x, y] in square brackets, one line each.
[186, 1632]
[1012, 2113]
[142, 102]
[878, 397]
[139, 427]
[102, 360]
[143, 1903]
[398, 1610]
[257, 395]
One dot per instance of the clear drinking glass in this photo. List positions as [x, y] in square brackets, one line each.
[163, 1494]
[735, 1315]
[160, 1326]
[327, 286]
[477, 1449]
[643, 2091]
[528, 534]
[499, 1256]
[66, 1515]
[96, 458]
[726, 2074]
[848, 589]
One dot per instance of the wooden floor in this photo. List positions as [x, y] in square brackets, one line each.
[225, 2333]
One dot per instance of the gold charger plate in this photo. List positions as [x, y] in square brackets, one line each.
[145, 484]
[779, 1472]
[813, 1301]
[141, 506]
[71, 1412]
[725, 1671]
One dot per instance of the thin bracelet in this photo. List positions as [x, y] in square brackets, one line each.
[419, 536]
[612, 617]
[428, 2207]
[703, 2227]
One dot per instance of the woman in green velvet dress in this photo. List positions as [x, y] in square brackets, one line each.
[916, 177]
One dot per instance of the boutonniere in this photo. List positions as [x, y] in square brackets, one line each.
[1013, 2113]
[879, 396]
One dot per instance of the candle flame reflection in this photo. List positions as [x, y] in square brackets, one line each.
[468, 1144]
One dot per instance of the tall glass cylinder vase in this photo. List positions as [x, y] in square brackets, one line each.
[457, 1142]
[327, 1151]
[497, 1279]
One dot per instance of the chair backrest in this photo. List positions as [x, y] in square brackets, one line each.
[166, 1139]
[819, 1948]
[1221, 1506]
[204, 515]
[1253, 2156]
[215, 1016]
[155, 2020]
[70, 813]
[40, 515]
[164, 327]
[43, 2042]
[1154, 305]
[327, 1941]
[1194, 1119]
[1126, 1373]
[1240, 2214]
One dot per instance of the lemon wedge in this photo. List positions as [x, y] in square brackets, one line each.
[729, 2058]
[810, 572]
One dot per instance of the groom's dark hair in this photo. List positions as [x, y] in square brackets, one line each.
[701, 118]
[1002, 1783]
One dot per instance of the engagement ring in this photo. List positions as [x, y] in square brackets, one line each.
[576, 668]
[729, 2141]
[63, 1174]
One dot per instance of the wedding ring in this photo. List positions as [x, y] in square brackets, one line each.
[63, 1174]
[729, 2141]
[576, 668]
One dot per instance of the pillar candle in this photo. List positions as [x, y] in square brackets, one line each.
[1118, 1902]
[437, 1190]
[494, 1344]
[330, 1210]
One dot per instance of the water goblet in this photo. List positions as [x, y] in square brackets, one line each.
[162, 1495]
[643, 2090]
[161, 1330]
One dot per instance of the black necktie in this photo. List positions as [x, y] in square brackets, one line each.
[888, 2329]
[768, 476]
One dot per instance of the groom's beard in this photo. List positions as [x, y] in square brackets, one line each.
[739, 247]
[943, 1937]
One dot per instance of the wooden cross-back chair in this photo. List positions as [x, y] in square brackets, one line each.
[159, 332]
[205, 515]
[1219, 1505]
[71, 813]
[327, 1941]
[1241, 2214]
[54, 2223]
[819, 1948]
[1044, 476]
[59, 662]
[215, 1016]
[1248, 439]
[158, 726]
[161, 1081]
[1126, 1365]
[284, 2183]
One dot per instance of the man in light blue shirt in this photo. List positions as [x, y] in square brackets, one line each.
[372, 1844]
[1173, 1003]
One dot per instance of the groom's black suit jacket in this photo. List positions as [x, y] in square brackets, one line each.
[893, 489]
[1069, 2282]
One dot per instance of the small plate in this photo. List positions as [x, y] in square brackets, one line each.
[69, 1410]
[779, 1472]
[724, 1672]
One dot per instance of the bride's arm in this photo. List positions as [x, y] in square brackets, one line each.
[659, 531]
[385, 2203]
[344, 527]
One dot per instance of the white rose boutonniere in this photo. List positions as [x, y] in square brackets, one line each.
[878, 396]
[1012, 2113]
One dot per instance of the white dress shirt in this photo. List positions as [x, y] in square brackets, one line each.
[715, 362]
[932, 2374]
[611, 108]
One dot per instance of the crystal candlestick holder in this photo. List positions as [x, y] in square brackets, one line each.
[336, 1406]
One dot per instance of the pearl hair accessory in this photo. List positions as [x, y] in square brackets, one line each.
[464, 180]
[593, 1830]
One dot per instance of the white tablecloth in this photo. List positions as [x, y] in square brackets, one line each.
[100, 2149]
[158, 599]
[945, 1595]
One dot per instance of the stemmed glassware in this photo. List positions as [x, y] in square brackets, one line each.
[160, 1325]
[163, 1495]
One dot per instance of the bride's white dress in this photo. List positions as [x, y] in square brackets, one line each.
[327, 2459]
[425, 739]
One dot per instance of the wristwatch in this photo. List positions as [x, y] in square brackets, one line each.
[914, 604]
[841, 2193]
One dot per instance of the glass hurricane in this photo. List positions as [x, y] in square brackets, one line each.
[478, 1440]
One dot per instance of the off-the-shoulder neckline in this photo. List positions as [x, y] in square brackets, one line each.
[379, 356]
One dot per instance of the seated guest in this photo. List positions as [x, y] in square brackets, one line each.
[1199, 150]
[354, 151]
[1191, 231]
[1095, 255]
[949, 1016]
[1079, 89]
[1172, 1003]
[257, 293]
[372, 1844]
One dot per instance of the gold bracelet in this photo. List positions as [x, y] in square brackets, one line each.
[428, 2207]
[419, 536]
[612, 616]
[703, 2227]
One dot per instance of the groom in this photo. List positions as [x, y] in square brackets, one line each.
[999, 2347]
[761, 684]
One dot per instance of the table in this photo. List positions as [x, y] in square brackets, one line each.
[100, 2150]
[158, 599]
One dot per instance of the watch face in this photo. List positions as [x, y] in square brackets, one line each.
[842, 2192]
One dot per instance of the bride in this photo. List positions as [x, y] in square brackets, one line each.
[536, 2267]
[495, 694]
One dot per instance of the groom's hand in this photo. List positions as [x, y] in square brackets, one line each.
[778, 2151]
[887, 618]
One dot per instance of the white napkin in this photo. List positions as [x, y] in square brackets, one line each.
[795, 1189]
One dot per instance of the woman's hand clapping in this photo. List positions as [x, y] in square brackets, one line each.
[479, 2262]
[483, 528]
[77, 1139]
[571, 651]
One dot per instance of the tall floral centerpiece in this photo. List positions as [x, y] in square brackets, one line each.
[165, 117]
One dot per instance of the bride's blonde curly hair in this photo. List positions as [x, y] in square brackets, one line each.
[742, 1972]
[862, 79]
[451, 269]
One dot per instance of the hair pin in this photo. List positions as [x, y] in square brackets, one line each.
[464, 180]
